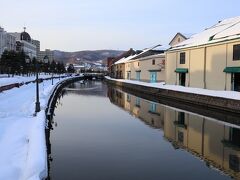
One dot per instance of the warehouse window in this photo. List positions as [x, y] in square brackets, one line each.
[153, 62]
[236, 52]
[182, 58]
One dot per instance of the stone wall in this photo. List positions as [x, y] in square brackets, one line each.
[183, 99]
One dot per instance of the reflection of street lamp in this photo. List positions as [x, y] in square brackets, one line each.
[37, 107]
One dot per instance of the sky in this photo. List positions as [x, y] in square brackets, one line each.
[74, 25]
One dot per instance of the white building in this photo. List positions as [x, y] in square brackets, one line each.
[7, 41]
[37, 44]
[25, 43]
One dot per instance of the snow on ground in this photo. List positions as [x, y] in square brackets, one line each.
[5, 80]
[222, 94]
[22, 135]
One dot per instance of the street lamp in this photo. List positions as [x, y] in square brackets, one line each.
[52, 77]
[37, 107]
[45, 61]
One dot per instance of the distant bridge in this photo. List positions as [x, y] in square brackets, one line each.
[91, 76]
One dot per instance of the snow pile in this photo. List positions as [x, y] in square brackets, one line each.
[126, 59]
[22, 141]
[223, 94]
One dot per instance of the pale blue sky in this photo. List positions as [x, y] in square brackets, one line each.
[72, 25]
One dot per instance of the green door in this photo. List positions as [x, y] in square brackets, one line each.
[153, 77]
[138, 76]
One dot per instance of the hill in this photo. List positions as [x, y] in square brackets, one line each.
[85, 56]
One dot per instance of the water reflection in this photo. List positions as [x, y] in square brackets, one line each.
[88, 88]
[217, 143]
[91, 139]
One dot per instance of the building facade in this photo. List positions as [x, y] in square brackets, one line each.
[178, 38]
[147, 69]
[47, 53]
[210, 59]
[7, 41]
[37, 44]
[115, 71]
[147, 65]
[25, 43]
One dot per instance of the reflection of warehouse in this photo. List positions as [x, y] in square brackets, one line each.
[195, 134]
[149, 112]
[219, 148]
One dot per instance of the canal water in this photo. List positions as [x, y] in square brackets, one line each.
[102, 133]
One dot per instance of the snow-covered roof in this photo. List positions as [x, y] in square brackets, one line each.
[162, 55]
[177, 35]
[187, 35]
[124, 60]
[224, 30]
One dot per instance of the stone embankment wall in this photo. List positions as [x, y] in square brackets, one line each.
[190, 99]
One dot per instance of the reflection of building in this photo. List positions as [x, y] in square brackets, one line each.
[7, 41]
[149, 112]
[25, 43]
[213, 142]
[206, 57]
[216, 143]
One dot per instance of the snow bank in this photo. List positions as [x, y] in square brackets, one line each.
[223, 94]
[5, 80]
[22, 141]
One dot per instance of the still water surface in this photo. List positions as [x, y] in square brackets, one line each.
[102, 133]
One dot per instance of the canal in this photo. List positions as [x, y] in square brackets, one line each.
[100, 132]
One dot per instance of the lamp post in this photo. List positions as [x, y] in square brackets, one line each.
[37, 107]
[45, 61]
[52, 77]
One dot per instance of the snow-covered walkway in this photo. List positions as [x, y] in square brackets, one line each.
[200, 91]
[22, 138]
